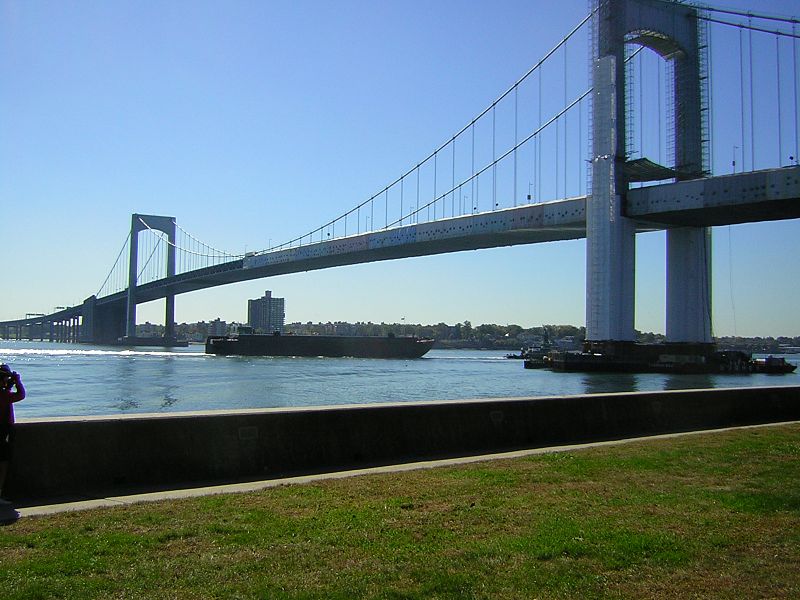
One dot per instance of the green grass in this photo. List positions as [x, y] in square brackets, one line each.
[715, 515]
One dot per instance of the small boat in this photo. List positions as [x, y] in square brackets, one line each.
[773, 365]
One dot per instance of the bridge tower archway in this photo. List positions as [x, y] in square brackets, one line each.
[671, 30]
[159, 223]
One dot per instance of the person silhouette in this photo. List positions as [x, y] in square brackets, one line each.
[9, 380]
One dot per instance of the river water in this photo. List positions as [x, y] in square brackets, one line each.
[79, 380]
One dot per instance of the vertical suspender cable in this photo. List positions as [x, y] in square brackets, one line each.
[474, 199]
[386, 209]
[416, 210]
[752, 105]
[539, 143]
[557, 156]
[778, 69]
[516, 142]
[794, 78]
[566, 194]
[402, 192]
[741, 79]
[434, 190]
[477, 192]
[580, 148]
[494, 159]
[453, 184]
[435, 160]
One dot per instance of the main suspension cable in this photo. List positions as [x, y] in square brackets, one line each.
[751, 27]
[111, 272]
[760, 16]
[471, 124]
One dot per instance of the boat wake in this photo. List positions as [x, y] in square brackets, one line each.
[47, 352]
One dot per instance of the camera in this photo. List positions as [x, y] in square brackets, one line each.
[7, 377]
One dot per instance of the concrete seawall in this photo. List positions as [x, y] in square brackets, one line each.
[101, 455]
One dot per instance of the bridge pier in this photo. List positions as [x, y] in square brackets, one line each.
[102, 324]
[610, 236]
[688, 285]
[671, 30]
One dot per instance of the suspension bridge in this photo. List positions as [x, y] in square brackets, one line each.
[623, 146]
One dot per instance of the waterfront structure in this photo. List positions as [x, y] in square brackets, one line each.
[266, 314]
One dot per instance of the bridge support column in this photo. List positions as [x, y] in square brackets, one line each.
[610, 236]
[688, 285]
[169, 301]
[133, 267]
[688, 249]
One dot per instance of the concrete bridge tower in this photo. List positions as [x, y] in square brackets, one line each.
[140, 223]
[671, 30]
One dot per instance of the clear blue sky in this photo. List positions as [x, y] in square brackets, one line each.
[258, 121]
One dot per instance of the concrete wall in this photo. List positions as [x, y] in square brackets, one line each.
[114, 455]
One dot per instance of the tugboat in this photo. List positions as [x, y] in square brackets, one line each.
[538, 357]
[773, 365]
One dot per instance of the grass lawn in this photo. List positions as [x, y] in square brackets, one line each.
[714, 515]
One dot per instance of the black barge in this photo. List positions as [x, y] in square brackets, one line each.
[630, 357]
[255, 344]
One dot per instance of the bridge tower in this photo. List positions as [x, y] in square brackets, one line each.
[167, 225]
[669, 29]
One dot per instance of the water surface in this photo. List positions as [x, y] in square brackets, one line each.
[70, 379]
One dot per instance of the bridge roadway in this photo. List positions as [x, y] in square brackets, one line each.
[772, 194]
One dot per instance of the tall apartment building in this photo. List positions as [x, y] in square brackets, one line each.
[266, 314]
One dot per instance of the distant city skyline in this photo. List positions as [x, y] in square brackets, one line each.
[252, 123]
